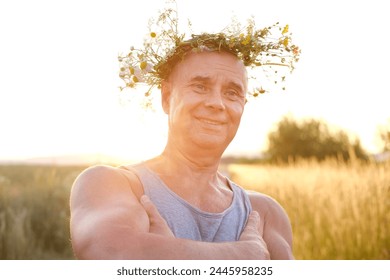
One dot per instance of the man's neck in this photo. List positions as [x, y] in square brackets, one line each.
[197, 167]
[197, 159]
[194, 178]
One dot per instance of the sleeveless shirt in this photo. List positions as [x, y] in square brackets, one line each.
[189, 222]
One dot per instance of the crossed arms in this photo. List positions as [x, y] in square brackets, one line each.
[112, 220]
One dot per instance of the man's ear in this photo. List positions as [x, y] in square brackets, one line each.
[165, 95]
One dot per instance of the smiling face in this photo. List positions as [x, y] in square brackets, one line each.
[204, 98]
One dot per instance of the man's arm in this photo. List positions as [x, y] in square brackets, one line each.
[109, 222]
[275, 226]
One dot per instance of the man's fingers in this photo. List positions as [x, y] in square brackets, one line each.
[253, 221]
[251, 233]
[157, 222]
[150, 208]
[251, 230]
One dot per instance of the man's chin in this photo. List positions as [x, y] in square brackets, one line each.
[212, 143]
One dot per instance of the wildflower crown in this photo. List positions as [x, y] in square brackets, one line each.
[267, 49]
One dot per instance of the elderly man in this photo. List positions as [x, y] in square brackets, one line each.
[177, 205]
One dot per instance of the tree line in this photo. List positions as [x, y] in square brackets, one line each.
[311, 138]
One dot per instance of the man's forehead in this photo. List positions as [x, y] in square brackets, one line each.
[205, 64]
[208, 79]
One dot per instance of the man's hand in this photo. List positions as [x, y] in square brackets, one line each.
[252, 236]
[157, 224]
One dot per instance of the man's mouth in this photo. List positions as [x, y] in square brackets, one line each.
[211, 122]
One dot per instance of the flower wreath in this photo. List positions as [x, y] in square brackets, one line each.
[268, 48]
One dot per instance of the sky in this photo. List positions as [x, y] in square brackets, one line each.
[59, 73]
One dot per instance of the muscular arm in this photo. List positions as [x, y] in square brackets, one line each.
[275, 227]
[109, 222]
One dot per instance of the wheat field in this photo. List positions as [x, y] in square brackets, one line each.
[337, 210]
[34, 211]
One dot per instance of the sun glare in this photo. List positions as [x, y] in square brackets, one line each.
[136, 134]
[68, 103]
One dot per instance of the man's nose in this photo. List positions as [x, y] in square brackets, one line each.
[215, 100]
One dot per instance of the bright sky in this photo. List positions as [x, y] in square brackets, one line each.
[59, 73]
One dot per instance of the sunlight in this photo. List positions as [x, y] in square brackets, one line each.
[67, 103]
[135, 134]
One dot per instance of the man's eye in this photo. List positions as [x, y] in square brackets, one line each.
[200, 87]
[232, 94]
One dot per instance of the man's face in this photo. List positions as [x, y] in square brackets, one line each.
[204, 99]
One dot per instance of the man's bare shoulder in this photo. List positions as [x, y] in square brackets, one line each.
[96, 177]
[269, 207]
[101, 182]
[263, 203]
[98, 173]
[105, 175]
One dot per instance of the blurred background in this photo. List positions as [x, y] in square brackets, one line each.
[321, 147]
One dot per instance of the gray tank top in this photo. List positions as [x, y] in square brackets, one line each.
[189, 222]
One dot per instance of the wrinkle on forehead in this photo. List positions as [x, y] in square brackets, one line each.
[237, 68]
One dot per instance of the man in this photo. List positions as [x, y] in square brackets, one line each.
[177, 205]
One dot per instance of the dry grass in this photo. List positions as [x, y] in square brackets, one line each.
[337, 210]
[34, 211]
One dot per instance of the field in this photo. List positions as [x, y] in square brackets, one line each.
[337, 210]
[34, 211]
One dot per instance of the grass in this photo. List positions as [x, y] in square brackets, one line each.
[337, 210]
[34, 211]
